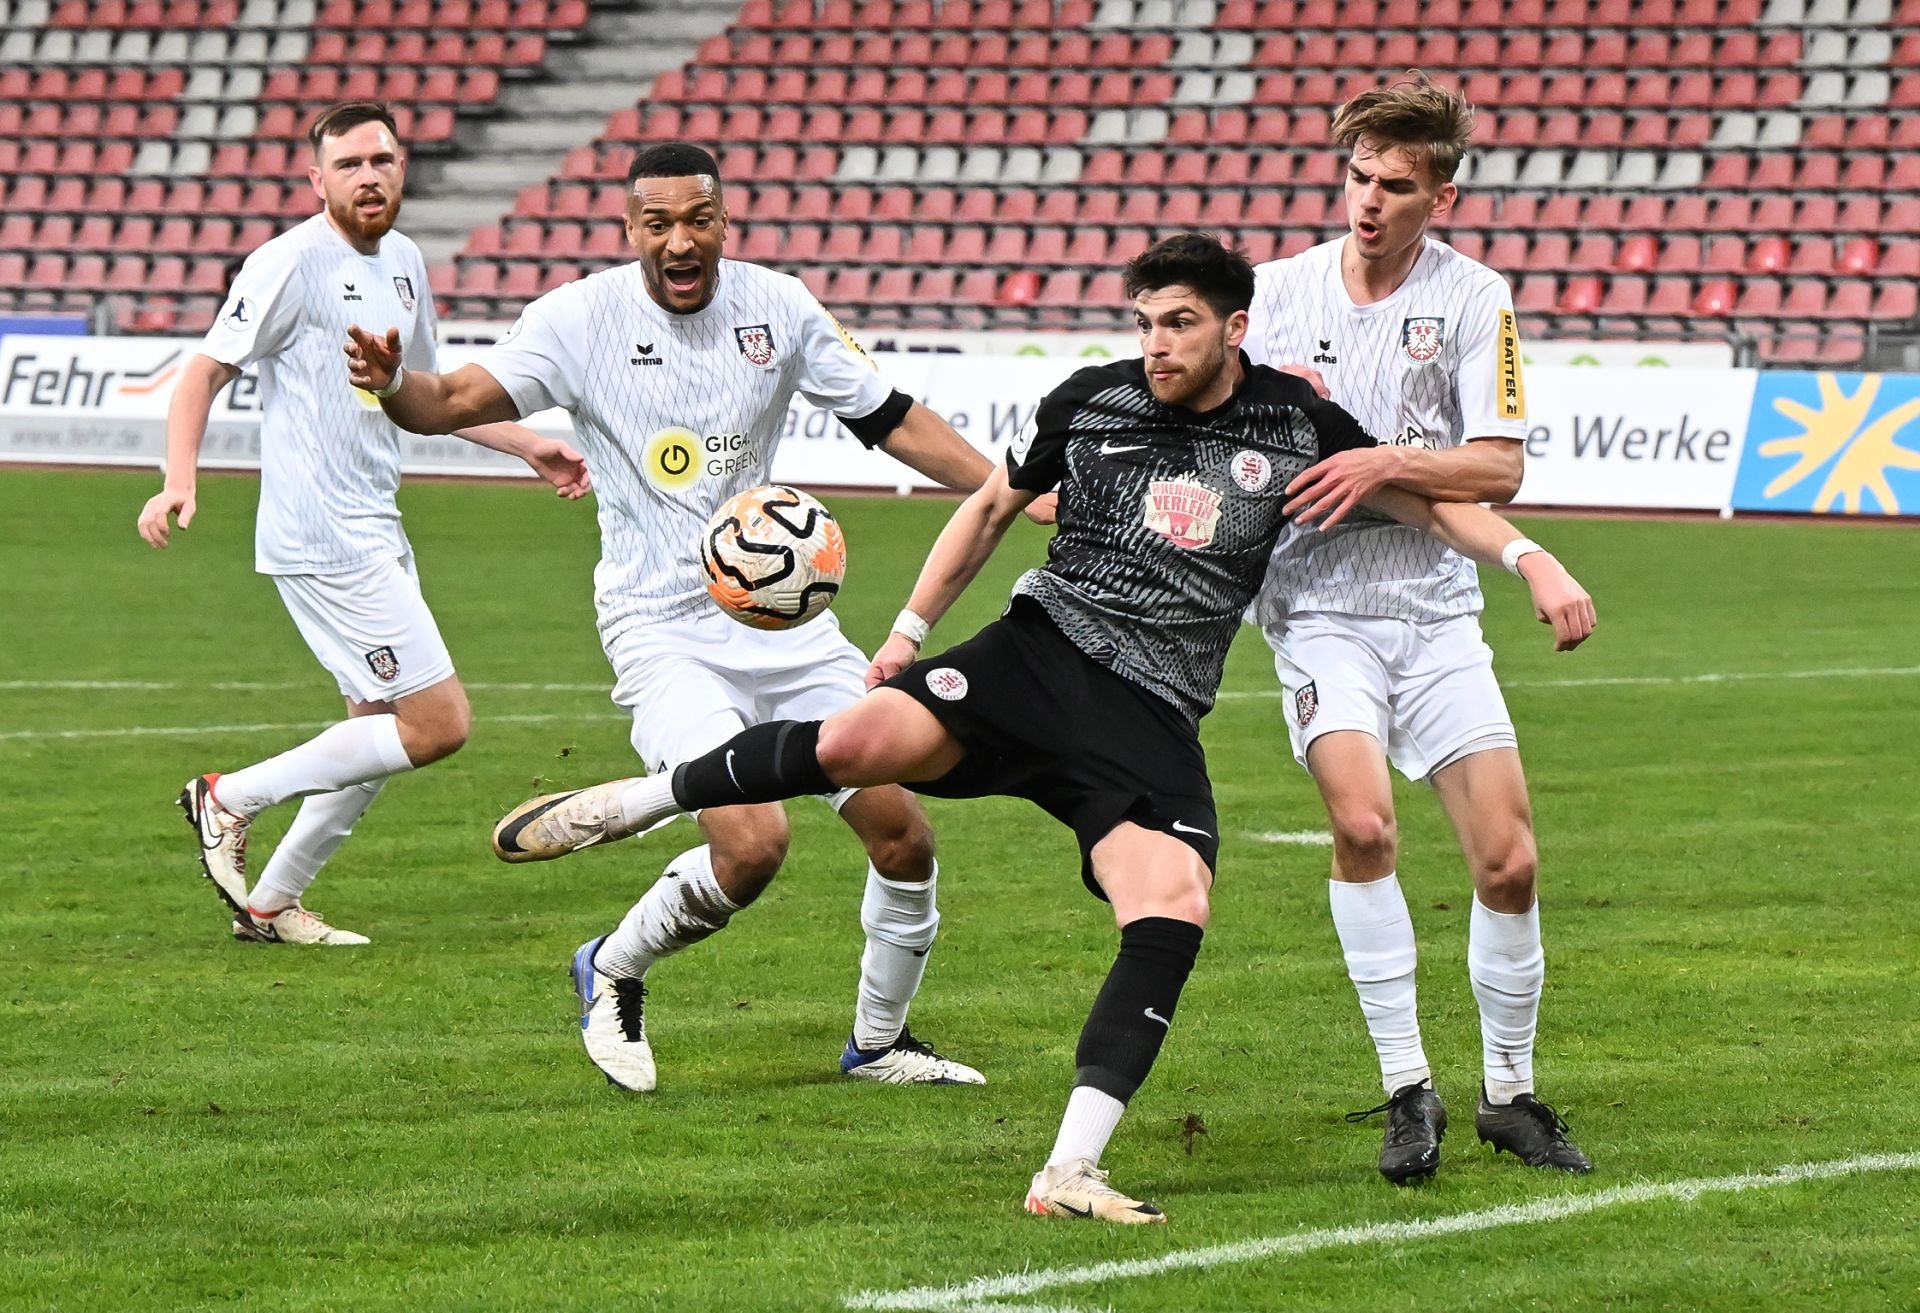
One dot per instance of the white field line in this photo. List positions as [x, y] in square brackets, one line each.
[252, 686]
[1303, 838]
[1654, 681]
[282, 727]
[1606, 681]
[979, 1294]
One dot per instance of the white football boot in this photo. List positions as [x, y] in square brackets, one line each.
[613, 1021]
[1079, 1189]
[223, 842]
[293, 925]
[555, 824]
[906, 1061]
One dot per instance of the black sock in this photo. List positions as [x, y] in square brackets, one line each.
[764, 763]
[1134, 1011]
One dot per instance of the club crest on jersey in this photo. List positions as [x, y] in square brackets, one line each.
[1252, 471]
[1422, 336]
[756, 344]
[1305, 703]
[404, 286]
[947, 684]
[384, 664]
[1182, 511]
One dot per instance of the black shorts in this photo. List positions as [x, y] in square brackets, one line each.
[1042, 720]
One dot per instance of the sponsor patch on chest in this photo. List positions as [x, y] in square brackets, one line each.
[1184, 511]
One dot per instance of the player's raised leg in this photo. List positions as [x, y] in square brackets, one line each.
[900, 917]
[1158, 886]
[1485, 796]
[886, 738]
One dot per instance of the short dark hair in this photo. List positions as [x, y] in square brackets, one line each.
[672, 159]
[348, 115]
[1220, 276]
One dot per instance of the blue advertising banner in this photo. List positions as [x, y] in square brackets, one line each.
[1832, 444]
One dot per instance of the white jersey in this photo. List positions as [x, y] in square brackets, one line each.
[329, 457]
[676, 413]
[1435, 364]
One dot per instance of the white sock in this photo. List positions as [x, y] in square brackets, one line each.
[1087, 1126]
[1376, 934]
[320, 826]
[641, 801]
[900, 920]
[355, 751]
[684, 906]
[1507, 967]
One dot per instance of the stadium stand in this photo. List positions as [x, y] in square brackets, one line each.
[1646, 168]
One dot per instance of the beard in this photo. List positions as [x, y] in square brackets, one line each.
[1190, 382]
[365, 228]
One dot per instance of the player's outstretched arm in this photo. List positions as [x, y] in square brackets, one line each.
[1487, 469]
[1473, 530]
[958, 553]
[923, 441]
[418, 401]
[201, 379]
[550, 458]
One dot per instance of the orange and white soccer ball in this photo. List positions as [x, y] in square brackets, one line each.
[774, 557]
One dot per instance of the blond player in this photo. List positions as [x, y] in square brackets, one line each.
[328, 531]
[1375, 627]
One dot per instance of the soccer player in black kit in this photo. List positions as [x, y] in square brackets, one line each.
[1086, 696]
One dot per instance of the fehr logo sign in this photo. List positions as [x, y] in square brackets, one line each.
[1832, 443]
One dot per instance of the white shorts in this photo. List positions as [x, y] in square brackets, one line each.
[1423, 688]
[692, 684]
[370, 627]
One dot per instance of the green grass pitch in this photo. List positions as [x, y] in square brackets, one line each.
[191, 1123]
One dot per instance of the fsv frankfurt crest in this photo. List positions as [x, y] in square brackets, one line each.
[1422, 337]
[756, 344]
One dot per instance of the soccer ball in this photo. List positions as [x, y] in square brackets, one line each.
[774, 557]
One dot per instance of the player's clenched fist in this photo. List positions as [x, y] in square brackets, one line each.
[154, 524]
[894, 656]
[372, 361]
[1558, 600]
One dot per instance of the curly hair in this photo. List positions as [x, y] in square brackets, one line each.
[1415, 113]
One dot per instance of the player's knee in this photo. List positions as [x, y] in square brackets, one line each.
[749, 855]
[902, 847]
[1506, 873]
[1366, 837]
[844, 751]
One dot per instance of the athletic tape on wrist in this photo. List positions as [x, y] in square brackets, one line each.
[393, 384]
[1510, 555]
[912, 627]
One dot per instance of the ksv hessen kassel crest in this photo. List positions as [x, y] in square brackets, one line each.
[756, 344]
[1421, 337]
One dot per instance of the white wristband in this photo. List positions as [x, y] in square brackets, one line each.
[393, 384]
[912, 628]
[1510, 555]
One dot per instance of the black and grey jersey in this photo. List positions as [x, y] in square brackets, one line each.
[1167, 515]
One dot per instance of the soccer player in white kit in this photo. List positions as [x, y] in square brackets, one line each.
[328, 530]
[678, 369]
[1374, 626]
